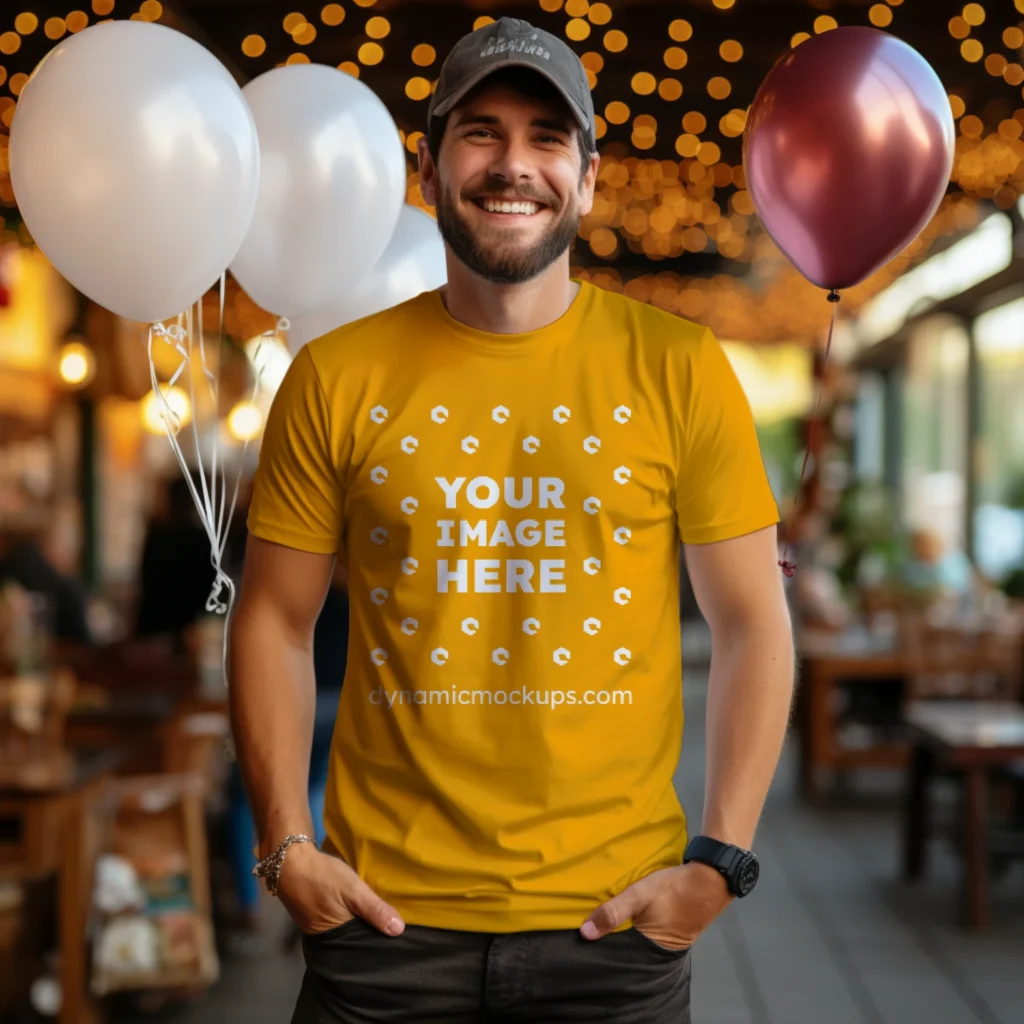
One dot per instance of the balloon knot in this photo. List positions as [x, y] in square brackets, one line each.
[833, 296]
[214, 602]
[788, 568]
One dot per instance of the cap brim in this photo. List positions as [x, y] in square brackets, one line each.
[446, 105]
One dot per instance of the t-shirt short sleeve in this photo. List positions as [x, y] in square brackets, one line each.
[298, 498]
[722, 489]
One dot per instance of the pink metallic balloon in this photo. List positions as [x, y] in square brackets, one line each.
[847, 151]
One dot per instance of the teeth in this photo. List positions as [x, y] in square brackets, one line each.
[501, 206]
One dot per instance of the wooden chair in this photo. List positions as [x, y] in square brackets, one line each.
[964, 662]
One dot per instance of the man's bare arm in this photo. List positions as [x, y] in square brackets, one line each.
[738, 586]
[739, 589]
[273, 699]
[273, 690]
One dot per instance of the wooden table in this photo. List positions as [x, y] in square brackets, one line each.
[826, 659]
[52, 819]
[971, 738]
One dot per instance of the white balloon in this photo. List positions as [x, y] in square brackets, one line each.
[413, 262]
[331, 187]
[135, 163]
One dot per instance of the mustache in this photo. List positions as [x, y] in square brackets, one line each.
[499, 190]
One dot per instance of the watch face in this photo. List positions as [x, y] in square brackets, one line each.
[746, 876]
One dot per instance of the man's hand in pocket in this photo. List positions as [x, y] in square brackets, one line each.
[322, 892]
[671, 906]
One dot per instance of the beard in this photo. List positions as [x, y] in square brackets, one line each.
[503, 262]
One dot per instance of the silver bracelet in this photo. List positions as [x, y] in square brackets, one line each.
[269, 868]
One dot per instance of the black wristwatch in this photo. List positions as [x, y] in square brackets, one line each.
[737, 866]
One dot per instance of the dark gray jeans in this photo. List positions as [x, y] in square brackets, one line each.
[443, 976]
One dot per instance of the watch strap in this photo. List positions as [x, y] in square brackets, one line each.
[724, 857]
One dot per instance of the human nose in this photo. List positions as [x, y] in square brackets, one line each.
[511, 163]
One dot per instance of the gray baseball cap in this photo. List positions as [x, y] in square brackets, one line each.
[507, 43]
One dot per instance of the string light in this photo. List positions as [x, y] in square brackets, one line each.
[371, 53]
[694, 122]
[25, 24]
[551, 6]
[102, 7]
[616, 41]
[350, 68]
[293, 22]
[800, 37]
[644, 83]
[670, 89]
[304, 34]
[417, 88]
[577, 8]
[577, 29]
[77, 364]
[332, 15]
[54, 28]
[298, 58]
[18, 82]
[995, 64]
[724, 5]
[825, 23]
[880, 15]
[153, 410]
[78, 20]
[680, 30]
[1013, 38]
[972, 50]
[974, 14]
[675, 58]
[423, 55]
[254, 46]
[599, 14]
[687, 145]
[378, 28]
[10, 42]
[365, 3]
[731, 51]
[245, 421]
[719, 88]
[616, 112]
[958, 28]
[482, 21]
[151, 10]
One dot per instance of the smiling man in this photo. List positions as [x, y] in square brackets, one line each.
[508, 467]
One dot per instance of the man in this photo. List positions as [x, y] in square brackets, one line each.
[507, 467]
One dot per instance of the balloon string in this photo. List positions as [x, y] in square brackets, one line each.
[788, 567]
[215, 517]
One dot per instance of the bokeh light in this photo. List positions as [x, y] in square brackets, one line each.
[371, 53]
[423, 55]
[254, 46]
[332, 15]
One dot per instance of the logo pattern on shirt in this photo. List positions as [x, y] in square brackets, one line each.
[484, 498]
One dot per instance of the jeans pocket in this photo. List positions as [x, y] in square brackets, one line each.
[333, 933]
[649, 943]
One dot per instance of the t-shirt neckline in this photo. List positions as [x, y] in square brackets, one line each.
[516, 344]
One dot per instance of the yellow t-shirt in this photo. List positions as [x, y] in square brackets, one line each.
[510, 509]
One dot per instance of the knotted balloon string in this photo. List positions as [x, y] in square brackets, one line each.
[788, 567]
[210, 498]
[214, 602]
